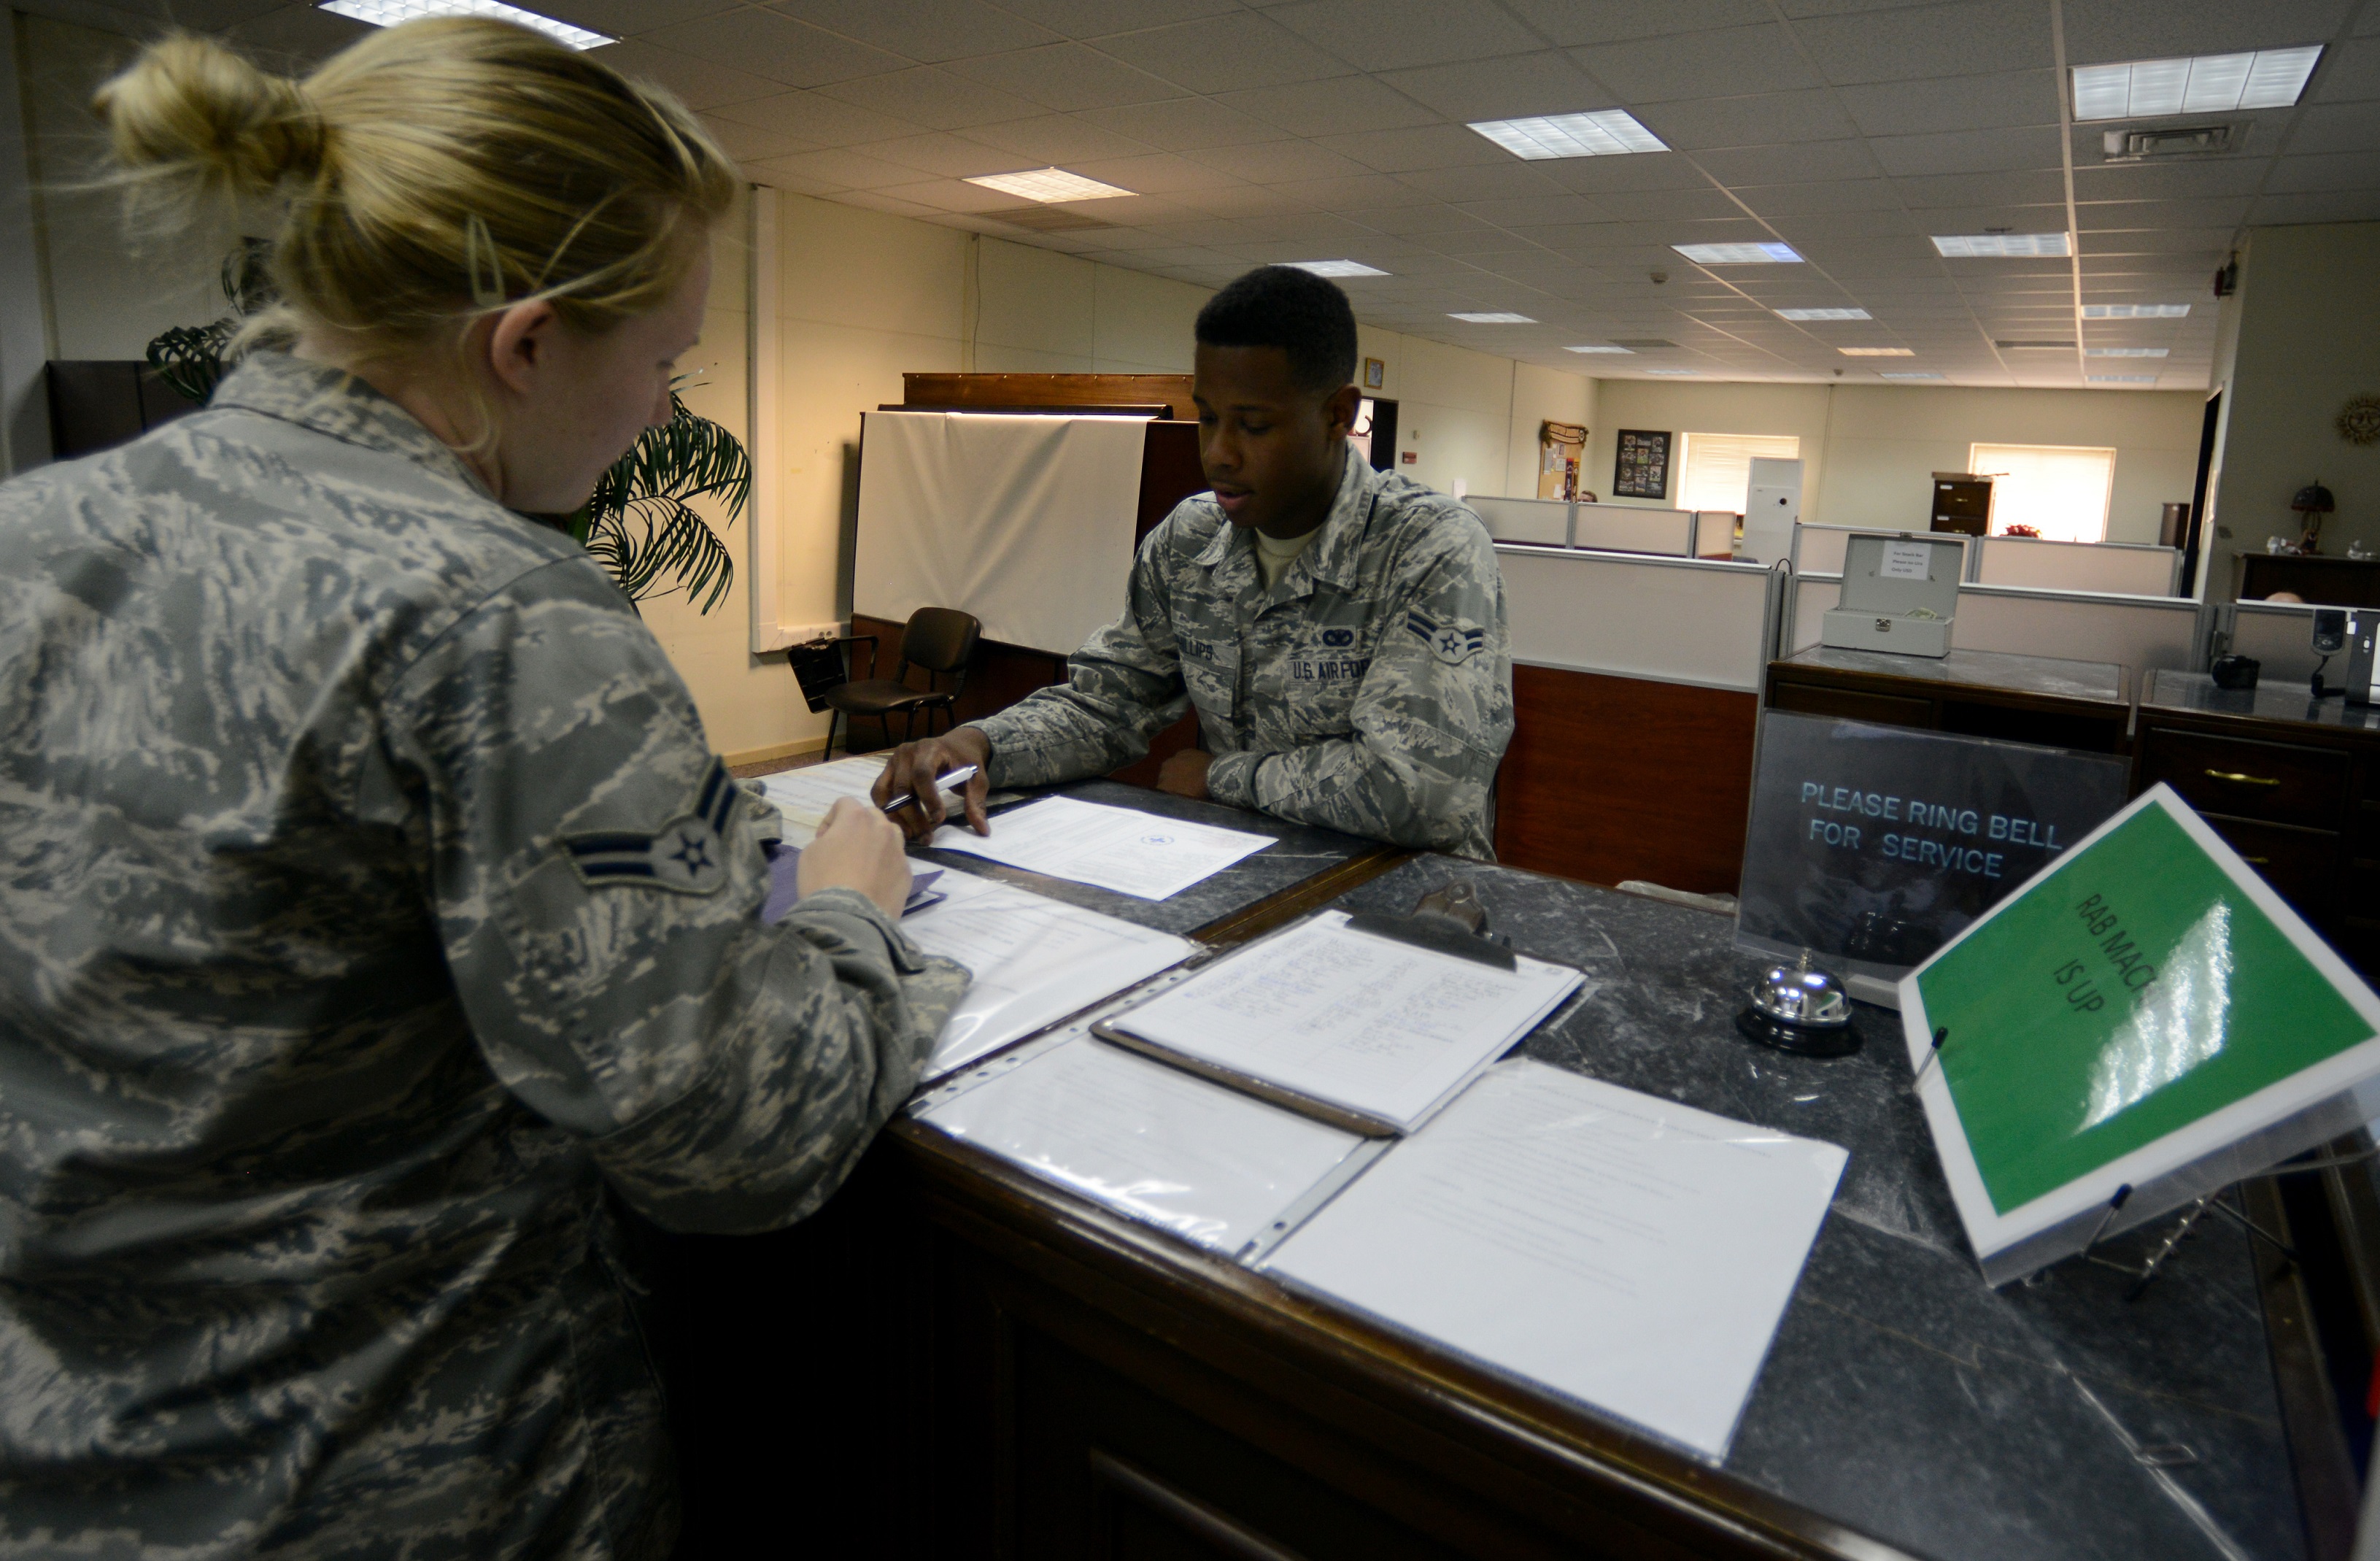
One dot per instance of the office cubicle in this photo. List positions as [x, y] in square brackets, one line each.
[2117, 567]
[2140, 632]
[1688, 621]
[1545, 522]
[1606, 527]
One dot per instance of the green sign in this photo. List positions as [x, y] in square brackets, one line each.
[2132, 991]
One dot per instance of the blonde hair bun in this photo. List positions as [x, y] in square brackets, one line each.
[194, 117]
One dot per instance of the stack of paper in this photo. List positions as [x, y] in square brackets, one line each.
[1131, 852]
[1625, 1252]
[804, 795]
[1378, 1035]
[1035, 961]
[1209, 1164]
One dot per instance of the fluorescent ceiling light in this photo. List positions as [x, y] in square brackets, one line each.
[1495, 319]
[2134, 310]
[2121, 379]
[1907, 375]
[1670, 370]
[2193, 84]
[1974, 246]
[1621, 350]
[1605, 133]
[1049, 184]
[1824, 315]
[2128, 352]
[1876, 352]
[1335, 267]
[388, 13]
[1738, 254]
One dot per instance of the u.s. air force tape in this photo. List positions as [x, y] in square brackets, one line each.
[688, 854]
[1451, 643]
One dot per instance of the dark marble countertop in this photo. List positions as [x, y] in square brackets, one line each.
[2099, 680]
[2284, 699]
[1902, 1397]
[1301, 851]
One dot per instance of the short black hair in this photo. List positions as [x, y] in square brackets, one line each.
[1304, 315]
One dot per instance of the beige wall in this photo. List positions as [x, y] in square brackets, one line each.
[1868, 451]
[2300, 336]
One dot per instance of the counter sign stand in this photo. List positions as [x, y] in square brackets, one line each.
[2143, 1024]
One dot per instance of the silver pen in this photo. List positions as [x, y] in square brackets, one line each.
[951, 781]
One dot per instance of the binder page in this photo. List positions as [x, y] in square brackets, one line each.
[1035, 961]
[1384, 1029]
[804, 796]
[1131, 852]
[1622, 1249]
[1211, 1166]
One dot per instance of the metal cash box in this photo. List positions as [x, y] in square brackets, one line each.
[1901, 593]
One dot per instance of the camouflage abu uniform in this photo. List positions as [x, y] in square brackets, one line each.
[370, 893]
[1370, 689]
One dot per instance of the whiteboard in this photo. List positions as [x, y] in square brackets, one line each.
[1670, 619]
[1025, 521]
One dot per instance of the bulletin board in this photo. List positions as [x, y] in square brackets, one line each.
[1640, 467]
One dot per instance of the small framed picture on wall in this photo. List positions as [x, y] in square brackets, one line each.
[1640, 467]
[1375, 374]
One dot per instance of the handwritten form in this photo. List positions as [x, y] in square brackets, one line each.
[804, 796]
[1211, 1166]
[1626, 1252]
[1385, 1029]
[1131, 852]
[1035, 960]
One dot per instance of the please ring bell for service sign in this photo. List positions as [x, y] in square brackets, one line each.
[1800, 1009]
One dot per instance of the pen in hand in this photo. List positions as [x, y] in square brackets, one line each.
[949, 782]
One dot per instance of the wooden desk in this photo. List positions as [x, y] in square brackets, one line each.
[2291, 782]
[2077, 705]
[958, 1359]
[2323, 580]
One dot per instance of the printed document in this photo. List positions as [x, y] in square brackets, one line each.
[1035, 960]
[804, 796]
[1131, 852]
[1386, 1030]
[1628, 1252]
[1211, 1166]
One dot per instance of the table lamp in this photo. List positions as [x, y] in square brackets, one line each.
[2313, 502]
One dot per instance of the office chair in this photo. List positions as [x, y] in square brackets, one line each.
[938, 641]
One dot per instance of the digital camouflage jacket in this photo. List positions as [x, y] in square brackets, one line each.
[368, 895]
[1370, 690]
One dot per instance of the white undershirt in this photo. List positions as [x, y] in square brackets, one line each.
[1277, 554]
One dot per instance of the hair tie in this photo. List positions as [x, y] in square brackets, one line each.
[482, 263]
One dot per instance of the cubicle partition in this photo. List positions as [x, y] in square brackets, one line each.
[1543, 521]
[1635, 684]
[2118, 568]
[1606, 527]
[2135, 631]
[1621, 529]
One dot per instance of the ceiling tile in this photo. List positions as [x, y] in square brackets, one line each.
[1669, 205]
[1181, 124]
[951, 195]
[1517, 180]
[1067, 76]
[775, 46]
[2096, 216]
[922, 29]
[1430, 147]
[822, 120]
[1968, 152]
[1918, 43]
[1810, 162]
[1390, 34]
[2330, 171]
[2112, 30]
[2350, 73]
[1277, 161]
[751, 143]
[1769, 119]
[1222, 54]
[2341, 127]
[1986, 190]
[933, 97]
[625, 18]
[2195, 179]
[948, 155]
[1098, 19]
[698, 83]
[1547, 81]
[1537, 212]
[848, 169]
[1733, 62]
[2361, 205]
[1798, 230]
[1417, 221]
[1055, 137]
[1154, 173]
[1341, 106]
[1356, 192]
[1656, 170]
[796, 181]
[1963, 103]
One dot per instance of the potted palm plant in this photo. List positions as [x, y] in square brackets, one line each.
[641, 524]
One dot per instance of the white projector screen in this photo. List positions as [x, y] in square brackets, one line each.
[1025, 521]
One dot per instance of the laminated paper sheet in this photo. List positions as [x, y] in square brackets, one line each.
[1623, 1250]
[1145, 854]
[1215, 1167]
[1025, 521]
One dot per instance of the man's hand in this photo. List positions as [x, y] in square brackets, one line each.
[1184, 775]
[857, 847]
[915, 766]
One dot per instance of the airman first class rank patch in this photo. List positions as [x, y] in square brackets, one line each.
[1449, 642]
[687, 854]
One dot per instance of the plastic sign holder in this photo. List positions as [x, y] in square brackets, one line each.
[2143, 1024]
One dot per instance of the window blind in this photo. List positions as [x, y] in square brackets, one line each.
[2059, 490]
[1718, 466]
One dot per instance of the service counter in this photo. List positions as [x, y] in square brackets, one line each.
[958, 1359]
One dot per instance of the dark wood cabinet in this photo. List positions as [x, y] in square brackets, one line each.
[2329, 582]
[2081, 705]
